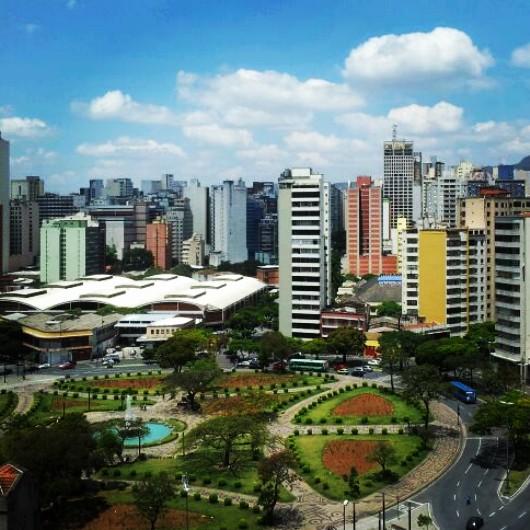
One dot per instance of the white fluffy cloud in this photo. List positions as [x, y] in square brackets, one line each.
[444, 54]
[252, 98]
[216, 135]
[23, 127]
[521, 56]
[130, 146]
[419, 119]
[114, 104]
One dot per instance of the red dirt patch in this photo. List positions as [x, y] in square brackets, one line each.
[126, 517]
[57, 404]
[366, 404]
[243, 380]
[339, 456]
[245, 404]
[146, 383]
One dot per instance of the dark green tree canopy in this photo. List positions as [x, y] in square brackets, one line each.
[181, 348]
[346, 341]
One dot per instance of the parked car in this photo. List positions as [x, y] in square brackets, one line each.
[243, 364]
[374, 362]
[279, 366]
[44, 366]
[108, 363]
[254, 363]
[367, 368]
[357, 371]
[68, 365]
[340, 366]
[343, 371]
[474, 523]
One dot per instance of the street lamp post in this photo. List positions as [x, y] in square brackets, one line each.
[410, 516]
[384, 512]
[186, 486]
[344, 504]
[354, 517]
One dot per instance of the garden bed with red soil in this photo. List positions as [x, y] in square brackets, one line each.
[339, 456]
[126, 517]
[255, 380]
[57, 403]
[365, 405]
[147, 383]
[244, 404]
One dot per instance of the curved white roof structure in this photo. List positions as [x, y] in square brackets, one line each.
[217, 294]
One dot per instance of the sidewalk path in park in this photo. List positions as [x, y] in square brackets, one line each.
[24, 403]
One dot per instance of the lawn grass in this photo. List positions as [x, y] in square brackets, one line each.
[218, 515]
[517, 478]
[8, 402]
[309, 451]
[200, 472]
[322, 413]
[48, 407]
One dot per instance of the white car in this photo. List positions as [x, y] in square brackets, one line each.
[374, 362]
[343, 371]
[43, 366]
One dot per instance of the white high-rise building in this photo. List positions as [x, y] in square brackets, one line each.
[398, 179]
[304, 247]
[4, 205]
[228, 217]
[198, 196]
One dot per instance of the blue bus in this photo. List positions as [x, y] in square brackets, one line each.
[463, 392]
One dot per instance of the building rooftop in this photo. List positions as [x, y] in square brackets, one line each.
[174, 321]
[9, 476]
[65, 322]
[217, 293]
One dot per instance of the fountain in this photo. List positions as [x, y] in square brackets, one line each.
[129, 415]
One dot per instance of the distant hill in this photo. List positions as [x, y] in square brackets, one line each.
[524, 164]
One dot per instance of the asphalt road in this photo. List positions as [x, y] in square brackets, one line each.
[471, 486]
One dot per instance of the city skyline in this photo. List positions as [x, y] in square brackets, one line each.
[227, 92]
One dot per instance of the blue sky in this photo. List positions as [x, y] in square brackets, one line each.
[211, 89]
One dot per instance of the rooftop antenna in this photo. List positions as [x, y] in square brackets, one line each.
[394, 132]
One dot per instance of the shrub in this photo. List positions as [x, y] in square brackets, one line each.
[309, 432]
[227, 501]
[324, 432]
[104, 472]
[148, 474]
[206, 481]
[255, 509]
[340, 430]
[384, 431]
[237, 485]
[401, 431]
[393, 419]
[317, 480]
[338, 421]
[374, 385]
[365, 384]
[197, 496]
[371, 430]
[222, 483]
[296, 432]
[355, 431]
[325, 486]
[183, 493]
[403, 463]
[242, 525]
[243, 505]
[308, 421]
[132, 473]
[306, 469]
[116, 398]
[116, 473]
[364, 420]
[213, 498]
[256, 488]
[323, 421]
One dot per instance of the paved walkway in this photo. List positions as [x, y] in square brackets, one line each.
[24, 403]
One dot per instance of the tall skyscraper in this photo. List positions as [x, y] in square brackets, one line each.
[255, 213]
[71, 248]
[179, 219]
[229, 221]
[120, 187]
[24, 234]
[512, 296]
[304, 240]
[398, 178]
[157, 241]
[198, 196]
[28, 189]
[364, 235]
[4, 205]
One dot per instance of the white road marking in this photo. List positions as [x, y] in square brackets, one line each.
[458, 484]
[468, 468]
[478, 511]
[457, 513]
[475, 496]
[504, 528]
[522, 515]
[501, 508]
[479, 484]
[492, 514]
[454, 497]
[486, 472]
[479, 446]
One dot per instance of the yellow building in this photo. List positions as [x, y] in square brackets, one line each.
[444, 277]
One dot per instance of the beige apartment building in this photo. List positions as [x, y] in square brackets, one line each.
[479, 213]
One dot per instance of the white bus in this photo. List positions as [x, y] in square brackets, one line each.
[308, 365]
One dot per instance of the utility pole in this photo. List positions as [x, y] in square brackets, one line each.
[354, 517]
[410, 516]
[384, 513]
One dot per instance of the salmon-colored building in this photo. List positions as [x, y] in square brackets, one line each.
[364, 231]
[157, 241]
[269, 274]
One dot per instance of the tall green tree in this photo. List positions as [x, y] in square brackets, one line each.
[389, 308]
[152, 496]
[181, 348]
[137, 259]
[423, 384]
[274, 472]
[314, 348]
[224, 437]
[346, 341]
[275, 346]
[58, 456]
[198, 377]
[244, 322]
[384, 454]
[391, 354]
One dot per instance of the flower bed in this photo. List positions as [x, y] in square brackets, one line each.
[147, 383]
[365, 404]
[339, 456]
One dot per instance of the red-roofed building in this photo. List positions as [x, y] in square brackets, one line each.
[19, 506]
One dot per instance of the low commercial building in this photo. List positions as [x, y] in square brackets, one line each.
[55, 338]
[213, 301]
[269, 274]
[161, 330]
[355, 317]
[132, 326]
